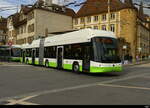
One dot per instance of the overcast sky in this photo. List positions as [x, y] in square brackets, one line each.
[14, 3]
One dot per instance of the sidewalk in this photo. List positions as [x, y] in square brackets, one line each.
[137, 63]
[9, 63]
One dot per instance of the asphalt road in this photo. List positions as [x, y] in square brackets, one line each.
[22, 84]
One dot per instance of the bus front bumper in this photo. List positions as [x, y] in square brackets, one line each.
[105, 69]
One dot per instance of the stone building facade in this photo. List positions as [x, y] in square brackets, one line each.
[37, 20]
[124, 20]
[3, 31]
[11, 30]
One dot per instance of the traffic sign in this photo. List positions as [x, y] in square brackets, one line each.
[10, 43]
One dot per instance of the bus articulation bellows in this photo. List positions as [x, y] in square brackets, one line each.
[85, 50]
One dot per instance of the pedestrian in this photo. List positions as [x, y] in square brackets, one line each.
[137, 58]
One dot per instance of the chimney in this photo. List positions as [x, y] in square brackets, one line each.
[141, 11]
[129, 2]
[48, 2]
[40, 3]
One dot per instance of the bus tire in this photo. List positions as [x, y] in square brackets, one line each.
[76, 68]
[47, 64]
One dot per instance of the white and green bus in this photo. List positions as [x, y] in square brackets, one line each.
[85, 50]
[11, 53]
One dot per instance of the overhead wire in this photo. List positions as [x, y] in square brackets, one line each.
[14, 7]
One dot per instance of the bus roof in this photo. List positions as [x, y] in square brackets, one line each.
[13, 46]
[16, 46]
[80, 36]
[35, 43]
[25, 45]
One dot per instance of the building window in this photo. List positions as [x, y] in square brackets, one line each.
[1, 38]
[88, 19]
[31, 28]
[104, 17]
[82, 20]
[95, 18]
[24, 27]
[21, 17]
[89, 27]
[112, 27]
[21, 29]
[76, 21]
[96, 27]
[30, 39]
[112, 16]
[31, 15]
[17, 31]
[1, 31]
[104, 27]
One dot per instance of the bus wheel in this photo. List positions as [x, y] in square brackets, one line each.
[46, 64]
[76, 67]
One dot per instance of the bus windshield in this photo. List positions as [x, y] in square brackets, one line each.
[4, 51]
[107, 50]
[15, 52]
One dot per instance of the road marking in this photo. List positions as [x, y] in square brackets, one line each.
[148, 77]
[35, 94]
[13, 102]
[119, 86]
[123, 79]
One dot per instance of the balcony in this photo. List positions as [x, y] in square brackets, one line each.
[19, 23]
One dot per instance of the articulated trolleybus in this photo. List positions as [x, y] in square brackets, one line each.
[85, 50]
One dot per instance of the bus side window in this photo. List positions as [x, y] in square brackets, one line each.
[46, 52]
[12, 53]
[37, 52]
[66, 52]
[91, 53]
[77, 51]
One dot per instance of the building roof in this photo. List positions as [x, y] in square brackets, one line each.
[92, 7]
[25, 9]
[68, 11]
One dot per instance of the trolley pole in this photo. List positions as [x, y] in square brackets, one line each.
[108, 15]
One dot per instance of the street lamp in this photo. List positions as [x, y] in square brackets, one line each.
[108, 15]
[124, 49]
[140, 50]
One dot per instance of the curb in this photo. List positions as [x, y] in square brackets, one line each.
[146, 62]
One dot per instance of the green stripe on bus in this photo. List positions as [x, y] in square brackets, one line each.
[80, 68]
[15, 59]
[105, 69]
[21, 59]
[36, 62]
[69, 67]
[30, 61]
[52, 64]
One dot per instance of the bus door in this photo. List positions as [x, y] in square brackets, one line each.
[23, 56]
[86, 59]
[60, 57]
[33, 56]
